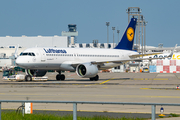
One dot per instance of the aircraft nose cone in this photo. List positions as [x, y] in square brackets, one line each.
[18, 61]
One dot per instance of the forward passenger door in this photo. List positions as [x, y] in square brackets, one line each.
[43, 55]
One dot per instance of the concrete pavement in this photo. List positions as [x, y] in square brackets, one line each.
[112, 87]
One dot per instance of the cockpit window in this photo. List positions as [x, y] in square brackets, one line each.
[33, 54]
[27, 54]
[24, 54]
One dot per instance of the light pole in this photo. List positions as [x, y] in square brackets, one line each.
[107, 24]
[118, 31]
[113, 28]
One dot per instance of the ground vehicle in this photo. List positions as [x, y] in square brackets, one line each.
[9, 74]
[145, 70]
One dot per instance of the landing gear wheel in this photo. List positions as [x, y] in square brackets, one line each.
[28, 78]
[96, 78]
[60, 77]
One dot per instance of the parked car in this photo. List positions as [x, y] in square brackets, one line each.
[145, 70]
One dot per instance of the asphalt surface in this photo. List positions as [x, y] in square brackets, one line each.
[111, 87]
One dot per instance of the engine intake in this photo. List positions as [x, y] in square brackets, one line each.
[86, 70]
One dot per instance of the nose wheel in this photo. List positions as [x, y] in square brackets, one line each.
[60, 77]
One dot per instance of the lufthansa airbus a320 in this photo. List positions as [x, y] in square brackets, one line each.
[85, 61]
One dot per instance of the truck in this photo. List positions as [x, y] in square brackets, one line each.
[9, 74]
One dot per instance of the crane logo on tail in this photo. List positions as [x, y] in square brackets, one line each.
[130, 34]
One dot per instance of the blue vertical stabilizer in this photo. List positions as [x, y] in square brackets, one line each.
[127, 40]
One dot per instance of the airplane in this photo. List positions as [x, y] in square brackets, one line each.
[85, 61]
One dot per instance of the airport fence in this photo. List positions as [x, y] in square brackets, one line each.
[153, 105]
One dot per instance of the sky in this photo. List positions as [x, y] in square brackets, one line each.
[51, 17]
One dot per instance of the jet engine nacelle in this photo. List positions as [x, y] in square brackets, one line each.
[86, 70]
[36, 73]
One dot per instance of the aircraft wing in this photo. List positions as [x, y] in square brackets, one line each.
[148, 54]
[126, 60]
[133, 58]
[170, 55]
[141, 55]
[122, 60]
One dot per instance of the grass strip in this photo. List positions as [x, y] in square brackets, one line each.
[17, 116]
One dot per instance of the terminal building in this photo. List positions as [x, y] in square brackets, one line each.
[39, 41]
[8, 45]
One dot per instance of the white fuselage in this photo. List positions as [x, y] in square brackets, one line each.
[68, 58]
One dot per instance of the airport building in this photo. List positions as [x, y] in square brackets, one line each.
[8, 45]
[39, 41]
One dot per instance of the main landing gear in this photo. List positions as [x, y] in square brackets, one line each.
[96, 78]
[60, 76]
